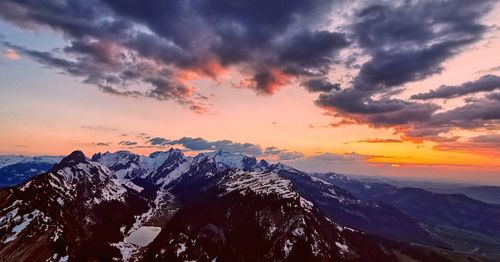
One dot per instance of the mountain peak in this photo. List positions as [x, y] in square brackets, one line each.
[74, 158]
[171, 151]
[77, 155]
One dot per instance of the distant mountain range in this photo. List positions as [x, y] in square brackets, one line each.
[466, 224]
[15, 169]
[221, 206]
[489, 194]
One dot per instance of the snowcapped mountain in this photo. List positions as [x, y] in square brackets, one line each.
[15, 169]
[6, 160]
[65, 211]
[213, 206]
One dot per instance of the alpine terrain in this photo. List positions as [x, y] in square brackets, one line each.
[215, 206]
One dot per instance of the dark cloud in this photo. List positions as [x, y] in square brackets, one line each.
[492, 138]
[111, 70]
[489, 70]
[320, 85]
[158, 141]
[113, 91]
[146, 49]
[101, 143]
[484, 84]
[494, 96]
[483, 144]
[200, 144]
[267, 82]
[127, 143]
[405, 43]
[290, 155]
[408, 42]
[482, 114]
[116, 45]
[282, 154]
[311, 52]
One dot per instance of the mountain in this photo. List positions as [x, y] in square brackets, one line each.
[259, 217]
[488, 194]
[216, 206]
[15, 169]
[6, 160]
[345, 208]
[464, 223]
[73, 210]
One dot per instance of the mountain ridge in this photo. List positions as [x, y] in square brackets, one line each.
[150, 194]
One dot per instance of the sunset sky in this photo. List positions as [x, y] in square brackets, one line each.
[394, 88]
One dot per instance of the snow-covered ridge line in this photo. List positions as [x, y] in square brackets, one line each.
[264, 184]
[258, 183]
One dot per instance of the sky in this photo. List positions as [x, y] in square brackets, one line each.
[406, 89]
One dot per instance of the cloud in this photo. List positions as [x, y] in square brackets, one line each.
[484, 84]
[489, 70]
[150, 50]
[118, 45]
[101, 143]
[404, 43]
[158, 141]
[380, 140]
[98, 127]
[282, 154]
[11, 54]
[320, 85]
[409, 41]
[480, 114]
[113, 70]
[200, 144]
[127, 143]
[484, 144]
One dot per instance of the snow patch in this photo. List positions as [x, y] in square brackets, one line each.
[298, 232]
[343, 247]
[260, 184]
[26, 220]
[133, 186]
[287, 248]
[181, 249]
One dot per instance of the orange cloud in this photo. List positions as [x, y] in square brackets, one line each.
[11, 54]
[211, 68]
